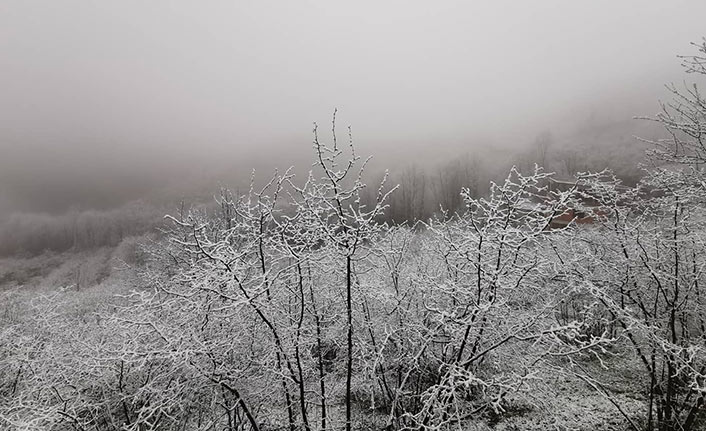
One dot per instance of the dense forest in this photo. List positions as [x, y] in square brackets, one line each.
[348, 300]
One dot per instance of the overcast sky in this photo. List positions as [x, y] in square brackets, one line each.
[95, 93]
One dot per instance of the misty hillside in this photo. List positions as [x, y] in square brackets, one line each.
[593, 146]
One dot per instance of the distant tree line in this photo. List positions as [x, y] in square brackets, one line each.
[436, 191]
[34, 233]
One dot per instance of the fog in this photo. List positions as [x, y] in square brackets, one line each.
[107, 102]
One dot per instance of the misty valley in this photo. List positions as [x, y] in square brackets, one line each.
[415, 281]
